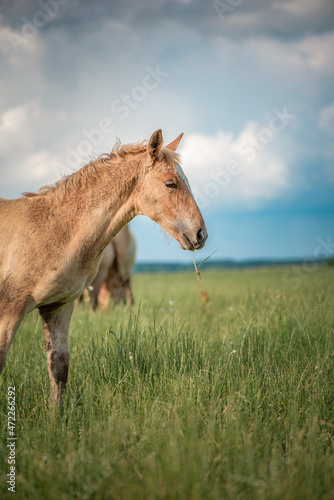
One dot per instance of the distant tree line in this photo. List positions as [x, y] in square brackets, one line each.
[158, 267]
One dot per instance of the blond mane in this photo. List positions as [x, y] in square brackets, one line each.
[119, 151]
[89, 172]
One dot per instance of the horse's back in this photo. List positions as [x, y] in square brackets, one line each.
[11, 214]
[12, 224]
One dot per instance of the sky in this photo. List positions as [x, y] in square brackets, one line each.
[249, 83]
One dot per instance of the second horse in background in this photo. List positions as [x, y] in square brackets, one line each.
[113, 280]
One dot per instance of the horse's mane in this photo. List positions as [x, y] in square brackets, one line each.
[119, 151]
[89, 172]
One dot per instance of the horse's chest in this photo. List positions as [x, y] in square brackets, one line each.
[66, 285]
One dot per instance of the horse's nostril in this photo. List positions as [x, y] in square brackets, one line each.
[200, 236]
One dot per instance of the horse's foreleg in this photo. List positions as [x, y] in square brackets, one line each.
[55, 327]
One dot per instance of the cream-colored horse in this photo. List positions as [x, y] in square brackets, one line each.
[52, 241]
[113, 279]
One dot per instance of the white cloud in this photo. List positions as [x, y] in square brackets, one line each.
[326, 118]
[30, 172]
[308, 57]
[24, 162]
[236, 171]
[37, 167]
[318, 51]
[16, 131]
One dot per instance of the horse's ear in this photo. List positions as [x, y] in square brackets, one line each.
[155, 144]
[174, 145]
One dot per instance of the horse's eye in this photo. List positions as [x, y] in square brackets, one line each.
[170, 184]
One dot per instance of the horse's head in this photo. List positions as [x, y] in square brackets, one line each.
[164, 195]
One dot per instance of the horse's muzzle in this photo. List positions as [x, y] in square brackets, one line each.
[201, 237]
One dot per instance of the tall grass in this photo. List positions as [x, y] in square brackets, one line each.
[179, 400]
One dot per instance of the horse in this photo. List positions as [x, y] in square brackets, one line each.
[52, 241]
[114, 275]
[125, 247]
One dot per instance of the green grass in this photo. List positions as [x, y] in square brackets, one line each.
[172, 400]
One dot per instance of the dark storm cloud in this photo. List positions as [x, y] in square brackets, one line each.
[242, 19]
[229, 18]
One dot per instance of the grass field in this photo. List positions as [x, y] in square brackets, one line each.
[231, 400]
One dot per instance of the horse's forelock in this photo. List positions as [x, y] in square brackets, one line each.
[171, 157]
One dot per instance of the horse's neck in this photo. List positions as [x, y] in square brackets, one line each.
[103, 208]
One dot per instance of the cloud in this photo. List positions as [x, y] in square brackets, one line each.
[16, 131]
[280, 19]
[37, 166]
[76, 71]
[298, 7]
[17, 49]
[234, 171]
[326, 118]
[22, 131]
[326, 122]
[310, 57]
[30, 172]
